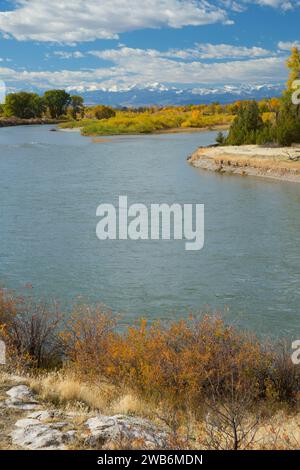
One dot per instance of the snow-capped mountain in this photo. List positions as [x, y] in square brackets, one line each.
[159, 94]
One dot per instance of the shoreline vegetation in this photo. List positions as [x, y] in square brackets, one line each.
[258, 144]
[198, 382]
[171, 130]
[153, 121]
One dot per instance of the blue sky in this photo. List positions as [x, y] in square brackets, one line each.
[117, 44]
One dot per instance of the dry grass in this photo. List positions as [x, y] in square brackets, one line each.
[129, 404]
[63, 389]
[281, 431]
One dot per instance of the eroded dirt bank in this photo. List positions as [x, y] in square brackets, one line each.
[281, 163]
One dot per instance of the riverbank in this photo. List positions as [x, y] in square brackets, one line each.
[9, 122]
[281, 163]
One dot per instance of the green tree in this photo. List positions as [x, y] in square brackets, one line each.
[24, 105]
[220, 139]
[104, 112]
[57, 102]
[76, 105]
[246, 125]
[287, 129]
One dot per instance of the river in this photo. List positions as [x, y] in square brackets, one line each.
[52, 182]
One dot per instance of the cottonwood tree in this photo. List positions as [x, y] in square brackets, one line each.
[24, 105]
[57, 102]
[76, 106]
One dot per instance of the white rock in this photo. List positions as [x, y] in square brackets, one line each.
[23, 423]
[111, 428]
[37, 437]
[41, 436]
[20, 393]
[20, 397]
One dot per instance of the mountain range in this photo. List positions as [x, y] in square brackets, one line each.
[159, 94]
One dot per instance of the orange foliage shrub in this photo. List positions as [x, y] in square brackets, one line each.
[177, 363]
[87, 340]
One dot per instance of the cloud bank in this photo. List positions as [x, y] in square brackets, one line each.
[88, 20]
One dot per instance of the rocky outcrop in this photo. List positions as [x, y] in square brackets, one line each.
[119, 428]
[20, 397]
[33, 435]
[55, 429]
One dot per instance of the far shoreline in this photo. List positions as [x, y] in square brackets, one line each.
[172, 130]
[11, 122]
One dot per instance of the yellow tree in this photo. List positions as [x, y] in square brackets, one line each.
[293, 64]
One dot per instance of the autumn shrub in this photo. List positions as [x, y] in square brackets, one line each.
[8, 308]
[35, 334]
[233, 413]
[87, 340]
[8, 311]
[283, 377]
[31, 331]
[103, 112]
[176, 364]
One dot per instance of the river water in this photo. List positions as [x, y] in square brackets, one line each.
[52, 182]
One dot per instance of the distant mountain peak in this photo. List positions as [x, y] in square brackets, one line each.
[159, 94]
[155, 93]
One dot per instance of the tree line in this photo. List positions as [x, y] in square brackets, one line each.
[279, 127]
[54, 104]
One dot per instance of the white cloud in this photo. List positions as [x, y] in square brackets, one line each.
[199, 51]
[284, 5]
[150, 65]
[87, 20]
[140, 67]
[287, 46]
[68, 55]
[218, 51]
